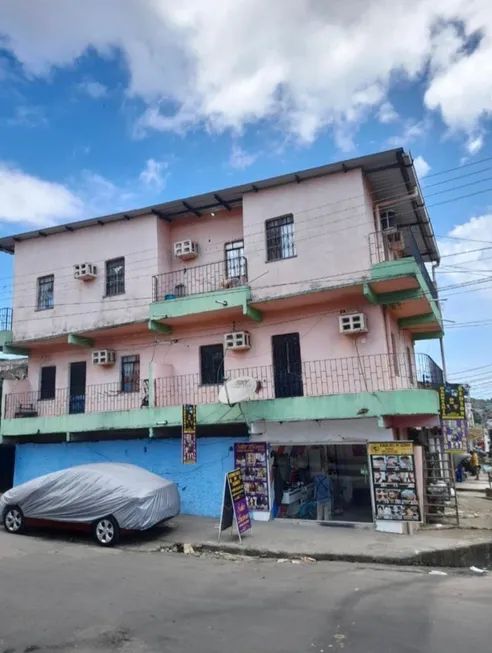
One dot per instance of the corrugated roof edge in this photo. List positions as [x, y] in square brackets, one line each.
[227, 198]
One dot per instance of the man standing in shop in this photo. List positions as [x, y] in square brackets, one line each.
[475, 464]
[323, 495]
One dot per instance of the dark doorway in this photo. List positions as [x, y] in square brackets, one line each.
[7, 461]
[78, 373]
[287, 366]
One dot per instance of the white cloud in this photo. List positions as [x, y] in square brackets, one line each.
[412, 131]
[33, 201]
[154, 175]
[93, 88]
[240, 159]
[28, 116]
[421, 166]
[307, 64]
[387, 113]
[475, 144]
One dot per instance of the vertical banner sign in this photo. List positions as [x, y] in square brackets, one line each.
[234, 505]
[452, 401]
[455, 435]
[188, 435]
[251, 459]
[393, 479]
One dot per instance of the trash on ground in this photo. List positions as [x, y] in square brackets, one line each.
[308, 559]
[282, 560]
[188, 549]
[435, 572]
[438, 526]
[477, 570]
[296, 562]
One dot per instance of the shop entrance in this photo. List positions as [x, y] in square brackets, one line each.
[321, 482]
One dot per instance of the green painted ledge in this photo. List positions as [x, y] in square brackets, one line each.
[403, 268]
[204, 303]
[346, 406]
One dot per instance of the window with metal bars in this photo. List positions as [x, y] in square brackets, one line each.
[115, 277]
[410, 366]
[396, 362]
[48, 382]
[130, 373]
[234, 260]
[280, 238]
[46, 287]
[212, 364]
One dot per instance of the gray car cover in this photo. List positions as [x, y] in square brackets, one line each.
[137, 498]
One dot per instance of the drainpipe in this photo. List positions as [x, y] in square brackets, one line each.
[441, 339]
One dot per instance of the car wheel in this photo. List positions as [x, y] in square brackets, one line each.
[13, 519]
[106, 531]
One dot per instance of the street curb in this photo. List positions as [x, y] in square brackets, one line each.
[478, 555]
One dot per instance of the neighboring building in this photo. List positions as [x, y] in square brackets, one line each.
[319, 277]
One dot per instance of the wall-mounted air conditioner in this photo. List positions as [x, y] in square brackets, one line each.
[237, 341]
[185, 249]
[103, 357]
[84, 271]
[395, 240]
[350, 323]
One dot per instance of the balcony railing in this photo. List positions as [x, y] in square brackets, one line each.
[199, 279]
[5, 319]
[393, 245]
[102, 398]
[311, 379]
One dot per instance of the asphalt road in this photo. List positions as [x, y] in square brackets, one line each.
[61, 596]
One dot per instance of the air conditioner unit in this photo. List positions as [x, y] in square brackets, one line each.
[395, 240]
[350, 323]
[103, 357]
[237, 341]
[84, 271]
[185, 250]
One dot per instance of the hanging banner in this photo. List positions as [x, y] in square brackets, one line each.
[188, 434]
[393, 480]
[455, 435]
[452, 401]
[251, 459]
[234, 505]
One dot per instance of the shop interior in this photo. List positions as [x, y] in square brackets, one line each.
[306, 476]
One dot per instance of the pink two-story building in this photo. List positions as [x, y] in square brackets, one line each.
[313, 284]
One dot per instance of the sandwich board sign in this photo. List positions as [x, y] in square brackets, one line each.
[234, 505]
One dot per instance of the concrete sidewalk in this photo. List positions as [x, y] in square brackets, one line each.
[451, 547]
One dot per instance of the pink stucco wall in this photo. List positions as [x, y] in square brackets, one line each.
[332, 222]
[81, 305]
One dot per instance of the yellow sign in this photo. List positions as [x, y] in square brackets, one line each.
[390, 448]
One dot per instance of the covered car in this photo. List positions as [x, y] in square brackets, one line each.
[106, 497]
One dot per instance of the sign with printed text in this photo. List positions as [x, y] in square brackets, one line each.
[234, 504]
[393, 480]
[251, 459]
[188, 434]
[452, 401]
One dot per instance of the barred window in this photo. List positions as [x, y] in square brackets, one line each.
[280, 238]
[130, 373]
[115, 277]
[212, 364]
[234, 259]
[46, 286]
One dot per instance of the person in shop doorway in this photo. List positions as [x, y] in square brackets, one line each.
[323, 495]
[475, 464]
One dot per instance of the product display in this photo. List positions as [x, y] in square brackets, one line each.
[251, 459]
[393, 475]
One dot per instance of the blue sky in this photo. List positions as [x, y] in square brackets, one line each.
[108, 106]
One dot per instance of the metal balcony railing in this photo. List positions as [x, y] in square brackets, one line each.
[311, 378]
[101, 398]
[195, 280]
[6, 319]
[395, 244]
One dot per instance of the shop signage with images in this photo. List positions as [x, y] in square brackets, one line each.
[234, 505]
[394, 483]
[455, 435]
[251, 459]
[452, 401]
[188, 434]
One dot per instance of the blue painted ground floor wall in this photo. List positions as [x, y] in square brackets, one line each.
[200, 486]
